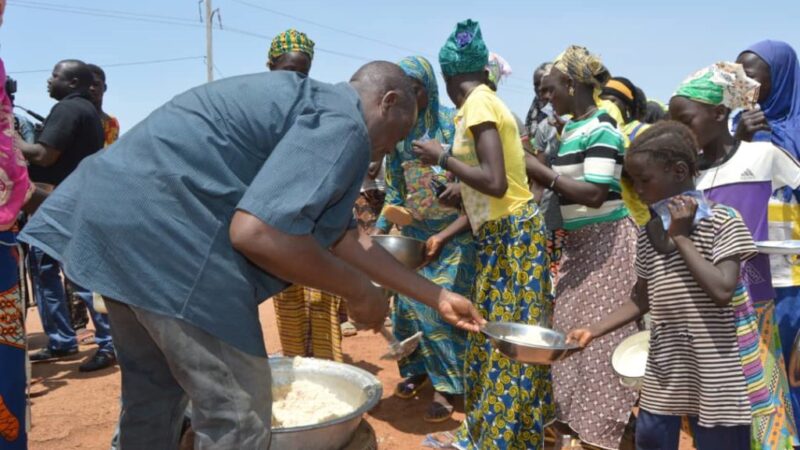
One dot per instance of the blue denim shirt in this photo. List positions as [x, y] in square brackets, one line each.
[147, 221]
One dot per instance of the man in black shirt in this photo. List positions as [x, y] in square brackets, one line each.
[72, 131]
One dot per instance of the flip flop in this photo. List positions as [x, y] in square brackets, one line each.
[438, 413]
[348, 329]
[407, 389]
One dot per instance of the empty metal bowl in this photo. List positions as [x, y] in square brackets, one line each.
[353, 385]
[629, 360]
[528, 344]
[409, 251]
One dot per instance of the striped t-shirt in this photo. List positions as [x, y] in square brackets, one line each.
[704, 359]
[592, 150]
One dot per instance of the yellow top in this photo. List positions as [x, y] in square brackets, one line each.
[636, 207]
[483, 106]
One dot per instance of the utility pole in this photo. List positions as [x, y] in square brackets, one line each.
[209, 46]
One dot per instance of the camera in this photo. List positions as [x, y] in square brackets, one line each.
[11, 87]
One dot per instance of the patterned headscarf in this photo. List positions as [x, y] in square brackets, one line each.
[291, 40]
[580, 65]
[498, 68]
[723, 83]
[434, 117]
[464, 51]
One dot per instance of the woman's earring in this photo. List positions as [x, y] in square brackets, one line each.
[571, 91]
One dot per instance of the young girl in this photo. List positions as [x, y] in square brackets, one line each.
[703, 361]
[507, 403]
[743, 175]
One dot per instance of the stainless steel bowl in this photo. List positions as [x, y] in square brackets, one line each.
[528, 344]
[629, 359]
[353, 385]
[409, 251]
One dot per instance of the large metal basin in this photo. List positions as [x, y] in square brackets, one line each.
[409, 251]
[529, 344]
[353, 385]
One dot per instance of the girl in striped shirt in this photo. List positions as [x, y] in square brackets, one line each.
[704, 356]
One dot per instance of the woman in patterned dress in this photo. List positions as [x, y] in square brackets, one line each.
[15, 191]
[507, 403]
[439, 359]
[596, 271]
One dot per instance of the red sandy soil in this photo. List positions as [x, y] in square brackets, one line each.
[74, 410]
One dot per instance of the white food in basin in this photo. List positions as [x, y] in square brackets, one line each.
[304, 402]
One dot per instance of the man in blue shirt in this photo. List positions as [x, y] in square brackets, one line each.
[219, 199]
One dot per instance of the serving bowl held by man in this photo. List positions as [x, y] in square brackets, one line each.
[528, 344]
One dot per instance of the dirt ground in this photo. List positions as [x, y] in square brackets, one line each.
[74, 410]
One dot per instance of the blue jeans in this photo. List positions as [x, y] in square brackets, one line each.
[51, 300]
[166, 362]
[658, 432]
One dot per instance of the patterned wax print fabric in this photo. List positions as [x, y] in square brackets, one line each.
[308, 323]
[13, 353]
[15, 186]
[289, 41]
[110, 129]
[723, 83]
[464, 51]
[440, 354]
[507, 403]
[596, 276]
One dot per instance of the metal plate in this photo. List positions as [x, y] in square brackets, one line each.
[529, 344]
[629, 359]
[779, 247]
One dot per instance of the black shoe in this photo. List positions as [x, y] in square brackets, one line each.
[47, 354]
[100, 360]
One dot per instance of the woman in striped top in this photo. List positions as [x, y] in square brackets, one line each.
[704, 355]
[596, 272]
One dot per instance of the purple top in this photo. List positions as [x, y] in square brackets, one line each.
[746, 182]
[751, 200]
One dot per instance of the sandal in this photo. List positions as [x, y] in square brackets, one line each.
[348, 329]
[439, 412]
[85, 336]
[397, 215]
[409, 388]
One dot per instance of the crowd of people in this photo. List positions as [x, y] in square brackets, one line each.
[600, 214]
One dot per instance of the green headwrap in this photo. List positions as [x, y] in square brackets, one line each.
[464, 51]
[291, 40]
[723, 83]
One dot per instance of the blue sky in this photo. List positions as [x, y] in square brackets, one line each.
[655, 44]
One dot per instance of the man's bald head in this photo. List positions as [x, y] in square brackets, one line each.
[69, 75]
[390, 107]
[382, 77]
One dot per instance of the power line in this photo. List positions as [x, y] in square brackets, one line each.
[97, 10]
[100, 13]
[316, 48]
[327, 27]
[172, 20]
[356, 35]
[132, 63]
